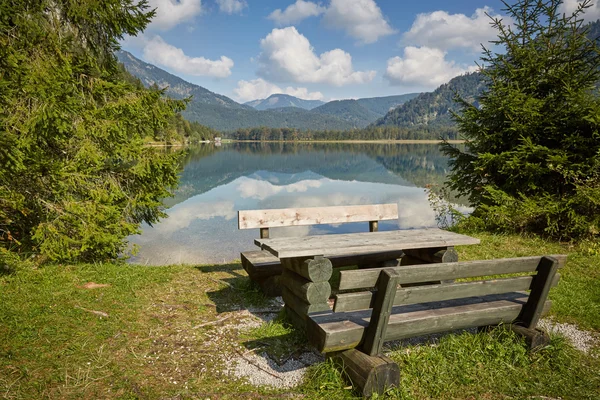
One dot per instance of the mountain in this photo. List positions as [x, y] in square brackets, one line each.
[283, 100]
[348, 110]
[222, 113]
[363, 112]
[383, 105]
[176, 87]
[435, 108]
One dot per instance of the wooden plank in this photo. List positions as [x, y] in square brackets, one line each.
[370, 375]
[318, 269]
[299, 322]
[384, 300]
[340, 331]
[249, 219]
[300, 307]
[362, 243]
[260, 264]
[542, 282]
[444, 271]
[345, 302]
[307, 291]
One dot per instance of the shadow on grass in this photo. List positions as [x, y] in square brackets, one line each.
[237, 291]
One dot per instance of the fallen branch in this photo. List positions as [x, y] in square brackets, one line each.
[101, 314]
[212, 322]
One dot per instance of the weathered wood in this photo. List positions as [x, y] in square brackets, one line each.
[331, 331]
[369, 374]
[260, 264]
[436, 255]
[318, 269]
[443, 271]
[300, 307]
[264, 233]
[534, 338]
[384, 300]
[440, 292]
[362, 243]
[307, 291]
[373, 226]
[315, 215]
[540, 287]
[296, 320]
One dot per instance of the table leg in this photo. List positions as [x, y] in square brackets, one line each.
[305, 287]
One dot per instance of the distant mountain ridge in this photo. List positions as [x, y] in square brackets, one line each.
[224, 114]
[283, 100]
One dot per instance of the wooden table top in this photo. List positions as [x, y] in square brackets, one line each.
[362, 243]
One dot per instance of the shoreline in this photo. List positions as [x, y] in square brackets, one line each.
[351, 141]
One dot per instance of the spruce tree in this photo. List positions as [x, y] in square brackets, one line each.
[75, 178]
[532, 157]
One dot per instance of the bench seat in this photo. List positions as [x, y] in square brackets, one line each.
[336, 331]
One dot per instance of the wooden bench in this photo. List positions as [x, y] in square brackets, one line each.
[386, 309]
[265, 269]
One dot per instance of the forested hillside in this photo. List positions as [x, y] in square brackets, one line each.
[434, 109]
[283, 100]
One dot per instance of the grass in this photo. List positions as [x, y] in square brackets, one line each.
[170, 331]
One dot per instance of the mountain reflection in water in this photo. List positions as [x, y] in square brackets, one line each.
[219, 181]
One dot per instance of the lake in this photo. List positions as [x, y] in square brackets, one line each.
[218, 181]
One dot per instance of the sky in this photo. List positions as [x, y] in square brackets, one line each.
[320, 50]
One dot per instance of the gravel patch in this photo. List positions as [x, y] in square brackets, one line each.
[581, 340]
[262, 370]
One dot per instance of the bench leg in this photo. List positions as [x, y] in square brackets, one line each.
[368, 374]
[534, 338]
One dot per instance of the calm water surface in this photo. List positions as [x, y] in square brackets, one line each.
[219, 181]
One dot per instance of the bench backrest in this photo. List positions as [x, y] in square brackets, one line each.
[541, 276]
[265, 219]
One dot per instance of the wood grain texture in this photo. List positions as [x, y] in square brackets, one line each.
[260, 264]
[318, 269]
[441, 292]
[362, 243]
[250, 219]
[340, 331]
[370, 375]
[445, 271]
[300, 307]
[384, 301]
[540, 287]
[307, 291]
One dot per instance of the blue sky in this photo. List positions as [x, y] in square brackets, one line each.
[329, 49]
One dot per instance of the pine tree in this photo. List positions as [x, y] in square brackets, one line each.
[532, 158]
[75, 178]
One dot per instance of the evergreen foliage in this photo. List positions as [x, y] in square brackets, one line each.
[75, 178]
[532, 159]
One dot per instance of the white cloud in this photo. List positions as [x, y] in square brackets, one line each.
[256, 189]
[424, 67]
[296, 12]
[159, 52]
[447, 31]
[261, 89]
[590, 14]
[361, 19]
[232, 6]
[170, 13]
[288, 56]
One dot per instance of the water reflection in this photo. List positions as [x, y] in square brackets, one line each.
[216, 182]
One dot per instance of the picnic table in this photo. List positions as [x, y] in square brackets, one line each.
[307, 267]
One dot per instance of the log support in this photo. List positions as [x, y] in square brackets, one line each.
[369, 375]
[305, 287]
